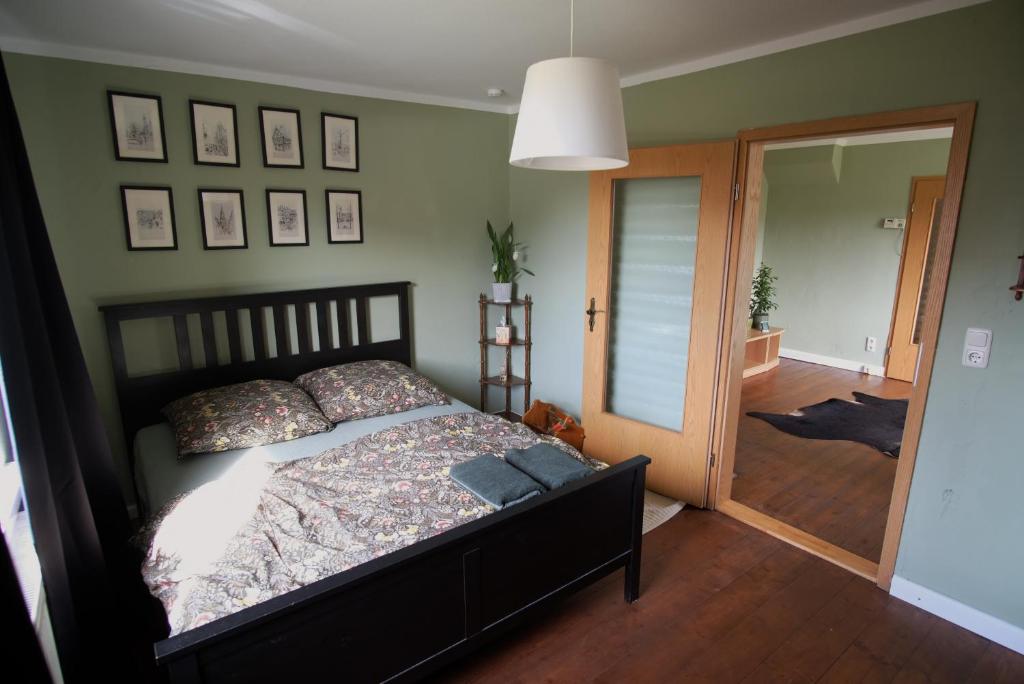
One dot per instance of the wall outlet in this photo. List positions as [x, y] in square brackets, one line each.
[977, 346]
[870, 344]
[976, 358]
[894, 223]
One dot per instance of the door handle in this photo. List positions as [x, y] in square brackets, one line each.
[591, 312]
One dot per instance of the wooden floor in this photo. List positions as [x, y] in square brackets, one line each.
[838, 491]
[722, 602]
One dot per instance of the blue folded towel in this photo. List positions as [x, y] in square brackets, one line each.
[548, 465]
[494, 481]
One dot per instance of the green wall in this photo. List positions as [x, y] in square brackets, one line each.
[837, 267]
[964, 523]
[430, 177]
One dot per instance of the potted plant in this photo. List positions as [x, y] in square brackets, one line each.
[504, 262]
[762, 297]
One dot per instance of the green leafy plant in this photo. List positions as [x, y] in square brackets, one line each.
[505, 255]
[762, 292]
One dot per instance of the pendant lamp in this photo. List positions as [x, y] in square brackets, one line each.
[570, 116]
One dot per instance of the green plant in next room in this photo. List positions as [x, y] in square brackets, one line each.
[762, 293]
[505, 255]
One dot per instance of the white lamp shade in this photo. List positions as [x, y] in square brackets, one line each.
[570, 117]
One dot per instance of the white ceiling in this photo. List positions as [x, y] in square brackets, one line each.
[435, 51]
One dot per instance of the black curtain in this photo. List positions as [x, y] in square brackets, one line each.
[75, 506]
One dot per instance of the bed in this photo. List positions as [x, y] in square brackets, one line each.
[397, 616]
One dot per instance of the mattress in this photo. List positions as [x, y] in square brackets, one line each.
[160, 476]
[262, 530]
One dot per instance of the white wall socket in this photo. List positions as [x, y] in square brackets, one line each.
[977, 347]
[894, 223]
[870, 343]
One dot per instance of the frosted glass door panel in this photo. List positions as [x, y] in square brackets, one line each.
[654, 251]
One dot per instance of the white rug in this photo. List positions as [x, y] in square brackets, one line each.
[658, 509]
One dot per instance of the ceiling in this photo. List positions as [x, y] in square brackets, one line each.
[435, 51]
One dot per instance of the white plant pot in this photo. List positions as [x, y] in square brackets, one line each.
[502, 292]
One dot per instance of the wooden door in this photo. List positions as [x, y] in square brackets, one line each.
[915, 267]
[656, 260]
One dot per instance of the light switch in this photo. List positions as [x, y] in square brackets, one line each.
[977, 347]
[977, 338]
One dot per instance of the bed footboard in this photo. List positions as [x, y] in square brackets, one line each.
[408, 613]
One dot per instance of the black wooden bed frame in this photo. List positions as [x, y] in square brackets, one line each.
[403, 615]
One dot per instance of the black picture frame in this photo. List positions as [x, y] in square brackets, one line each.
[202, 218]
[121, 155]
[263, 136]
[195, 136]
[324, 116]
[125, 189]
[270, 218]
[359, 213]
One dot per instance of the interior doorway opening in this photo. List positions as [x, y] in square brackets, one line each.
[820, 416]
[840, 259]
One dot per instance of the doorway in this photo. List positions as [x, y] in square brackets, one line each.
[807, 478]
[837, 228]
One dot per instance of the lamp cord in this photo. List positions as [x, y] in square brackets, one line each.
[572, 24]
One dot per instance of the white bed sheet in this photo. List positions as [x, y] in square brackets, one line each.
[160, 475]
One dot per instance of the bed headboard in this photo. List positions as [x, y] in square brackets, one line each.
[295, 323]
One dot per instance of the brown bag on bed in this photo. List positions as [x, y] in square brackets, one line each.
[548, 419]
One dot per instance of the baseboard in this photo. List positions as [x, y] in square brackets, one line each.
[832, 361]
[971, 619]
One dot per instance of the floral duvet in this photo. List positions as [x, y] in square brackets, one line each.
[265, 529]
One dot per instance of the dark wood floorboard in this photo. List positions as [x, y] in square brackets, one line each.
[722, 602]
[838, 491]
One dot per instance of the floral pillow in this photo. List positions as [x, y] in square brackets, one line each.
[245, 415]
[369, 388]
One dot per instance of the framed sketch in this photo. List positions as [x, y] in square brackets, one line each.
[222, 217]
[282, 137]
[214, 133]
[148, 217]
[341, 141]
[344, 216]
[137, 122]
[286, 215]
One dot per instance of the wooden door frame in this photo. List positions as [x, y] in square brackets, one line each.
[750, 174]
[914, 180]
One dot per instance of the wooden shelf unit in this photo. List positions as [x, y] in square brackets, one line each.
[525, 342]
[762, 351]
[514, 343]
[511, 381]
